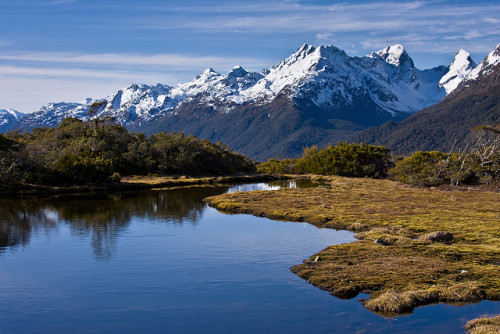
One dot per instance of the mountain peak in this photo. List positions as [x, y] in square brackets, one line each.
[394, 54]
[461, 66]
[486, 66]
[209, 72]
[493, 57]
[305, 48]
[14, 113]
[9, 118]
[237, 72]
[462, 57]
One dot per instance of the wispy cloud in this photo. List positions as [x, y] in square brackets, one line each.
[324, 37]
[56, 2]
[173, 61]
[4, 42]
[436, 21]
[44, 72]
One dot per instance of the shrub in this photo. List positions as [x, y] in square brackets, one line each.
[437, 168]
[277, 166]
[358, 160]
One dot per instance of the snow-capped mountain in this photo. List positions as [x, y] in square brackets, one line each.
[461, 66]
[315, 96]
[447, 125]
[384, 83]
[9, 119]
[486, 66]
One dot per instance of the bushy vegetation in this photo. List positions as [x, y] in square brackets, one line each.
[478, 164]
[284, 166]
[99, 150]
[344, 159]
[437, 168]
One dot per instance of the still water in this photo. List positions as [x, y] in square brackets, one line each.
[165, 262]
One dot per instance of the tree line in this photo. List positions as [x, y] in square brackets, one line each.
[100, 150]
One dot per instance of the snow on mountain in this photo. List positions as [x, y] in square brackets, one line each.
[325, 75]
[52, 114]
[139, 103]
[9, 119]
[131, 105]
[461, 66]
[216, 88]
[394, 55]
[330, 78]
[486, 66]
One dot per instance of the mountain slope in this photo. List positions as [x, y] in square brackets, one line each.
[446, 125]
[9, 119]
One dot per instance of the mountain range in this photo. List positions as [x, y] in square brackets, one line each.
[318, 95]
[447, 125]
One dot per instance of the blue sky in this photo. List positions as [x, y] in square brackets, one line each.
[67, 50]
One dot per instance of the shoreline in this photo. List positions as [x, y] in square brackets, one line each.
[134, 183]
[398, 259]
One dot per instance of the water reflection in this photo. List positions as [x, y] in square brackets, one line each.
[104, 217]
[18, 219]
[101, 216]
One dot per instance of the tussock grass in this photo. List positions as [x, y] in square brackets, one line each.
[485, 325]
[434, 245]
[391, 302]
[468, 293]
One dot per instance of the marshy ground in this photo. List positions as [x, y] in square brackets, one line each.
[416, 246]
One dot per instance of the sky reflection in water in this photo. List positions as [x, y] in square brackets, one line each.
[163, 261]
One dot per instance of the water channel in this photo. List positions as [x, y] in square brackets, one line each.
[164, 262]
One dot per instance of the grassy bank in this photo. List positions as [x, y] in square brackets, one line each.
[417, 246]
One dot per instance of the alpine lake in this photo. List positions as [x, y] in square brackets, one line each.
[163, 261]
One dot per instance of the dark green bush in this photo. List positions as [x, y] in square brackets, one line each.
[94, 151]
[357, 160]
[285, 166]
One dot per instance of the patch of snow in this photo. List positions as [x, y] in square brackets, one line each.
[486, 66]
[461, 66]
[392, 54]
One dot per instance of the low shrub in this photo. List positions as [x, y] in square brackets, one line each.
[344, 159]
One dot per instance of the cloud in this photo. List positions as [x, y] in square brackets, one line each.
[56, 2]
[436, 21]
[174, 61]
[4, 42]
[43, 72]
[323, 37]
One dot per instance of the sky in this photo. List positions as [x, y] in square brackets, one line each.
[68, 50]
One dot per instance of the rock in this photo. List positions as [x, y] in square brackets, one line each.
[438, 236]
[380, 242]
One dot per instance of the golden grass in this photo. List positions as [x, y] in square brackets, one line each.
[398, 259]
[486, 325]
